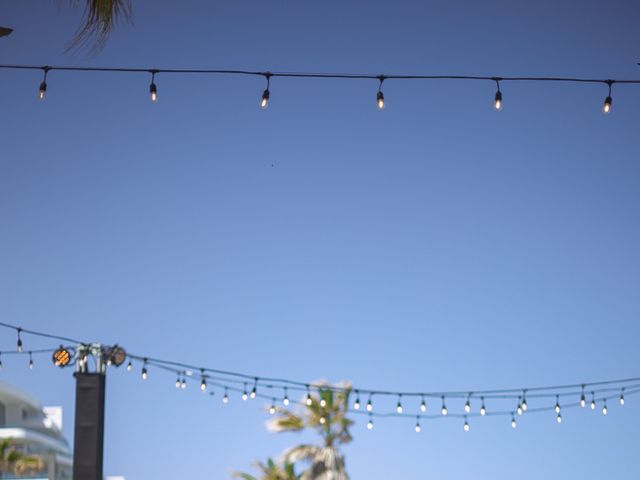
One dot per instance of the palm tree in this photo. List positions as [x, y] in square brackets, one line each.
[271, 471]
[326, 414]
[100, 18]
[17, 463]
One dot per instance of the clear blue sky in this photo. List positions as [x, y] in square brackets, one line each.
[434, 245]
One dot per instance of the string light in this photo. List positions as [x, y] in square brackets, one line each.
[583, 400]
[272, 408]
[369, 405]
[514, 424]
[183, 385]
[524, 401]
[604, 407]
[519, 407]
[264, 101]
[42, 90]
[356, 404]
[244, 392]
[593, 401]
[370, 423]
[323, 420]
[308, 401]
[254, 392]
[466, 424]
[467, 406]
[285, 400]
[129, 366]
[153, 89]
[19, 341]
[203, 383]
[323, 402]
[606, 107]
[444, 410]
[483, 409]
[621, 399]
[143, 373]
[418, 428]
[380, 95]
[557, 407]
[178, 381]
[399, 404]
[225, 397]
[559, 418]
[423, 406]
[30, 361]
[497, 100]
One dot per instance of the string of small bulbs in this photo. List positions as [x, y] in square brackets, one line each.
[267, 75]
[278, 390]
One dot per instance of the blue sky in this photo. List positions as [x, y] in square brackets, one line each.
[434, 245]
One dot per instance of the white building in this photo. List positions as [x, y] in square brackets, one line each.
[35, 429]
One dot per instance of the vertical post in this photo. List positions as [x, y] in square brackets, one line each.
[89, 425]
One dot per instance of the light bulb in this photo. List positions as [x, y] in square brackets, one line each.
[369, 406]
[244, 394]
[309, 401]
[519, 410]
[129, 366]
[225, 398]
[514, 424]
[621, 399]
[183, 385]
[559, 418]
[285, 401]
[272, 408]
[593, 402]
[443, 410]
[19, 342]
[42, 90]
[370, 424]
[30, 361]
[356, 405]
[178, 382]
[264, 102]
[399, 406]
[153, 92]
[557, 407]
[418, 427]
[497, 101]
[483, 410]
[323, 402]
[466, 426]
[144, 373]
[380, 100]
[423, 406]
[604, 408]
[322, 420]
[203, 385]
[253, 393]
[583, 400]
[467, 407]
[606, 107]
[524, 404]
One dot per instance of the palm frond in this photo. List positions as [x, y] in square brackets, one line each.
[100, 18]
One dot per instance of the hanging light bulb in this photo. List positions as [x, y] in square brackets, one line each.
[604, 407]
[559, 418]
[272, 408]
[606, 107]
[370, 423]
[264, 101]
[380, 95]
[497, 100]
[30, 361]
[423, 406]
[593, 401]
[323, 420]
[356, 404]
[524, 401]
[519, 409]
[399, 404]
[153, 89]
[42, 90]
[285, 400]
[323, 402]
[583, 400]
[244, 392]
[143, 372]
[203, 385]
[309, 400]
[621, 399]
[514, 424]
[369, 405]
[444, 410]
[466, 425]
[253, 393]
[483, 409]
[467, 406]
[557, 407]
[183, 385]
[178, 381]
[129, 366]
[19, 341]
[225, 397]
